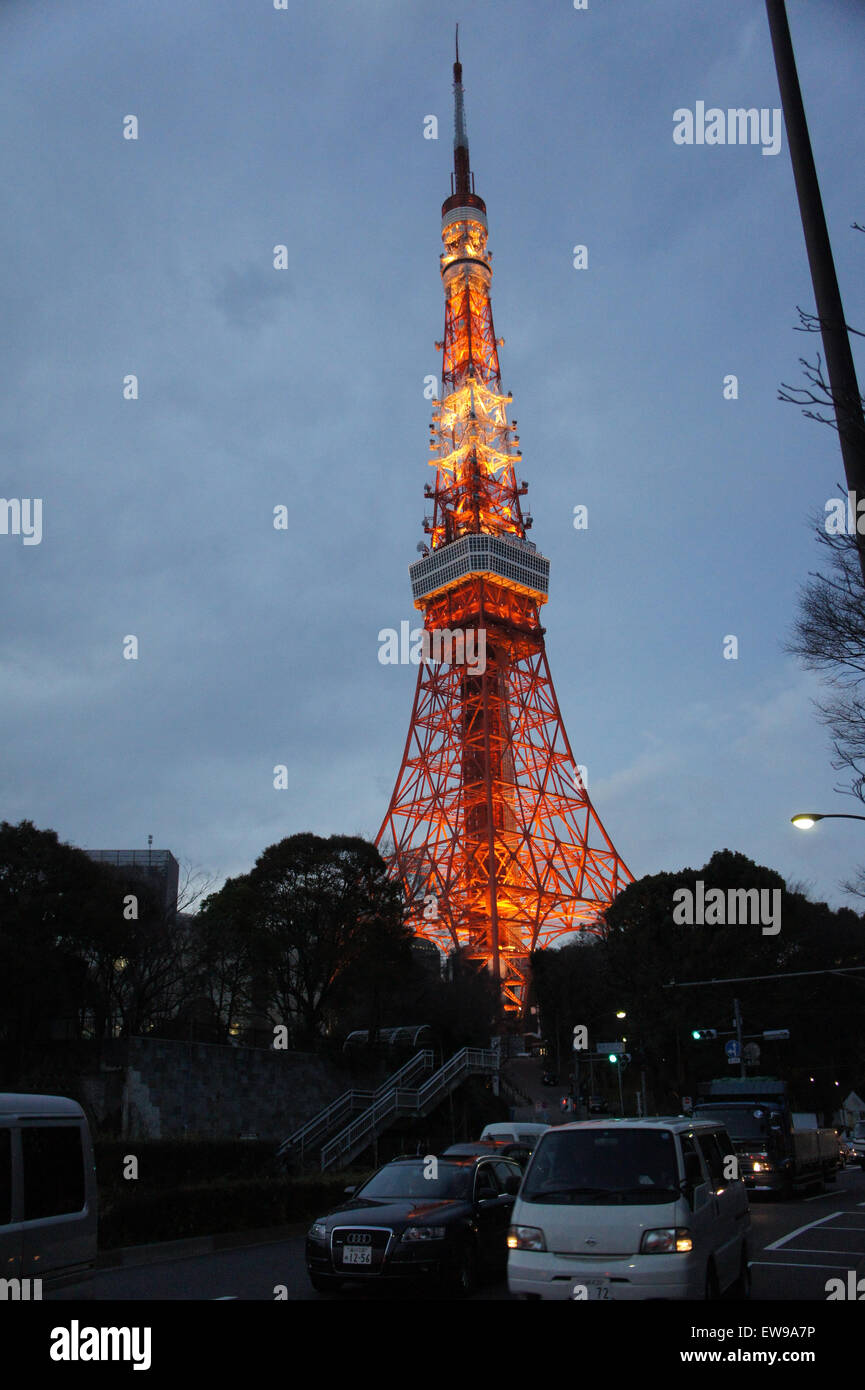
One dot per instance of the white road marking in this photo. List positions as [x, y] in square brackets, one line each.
[776, 1245]
[790, 1264]
[819, 1250]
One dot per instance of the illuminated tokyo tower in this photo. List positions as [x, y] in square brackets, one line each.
[490, 826]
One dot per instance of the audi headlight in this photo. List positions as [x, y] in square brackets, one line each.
[424, 1233]
[318, 1231]
[526, 1238]
[666, 1240]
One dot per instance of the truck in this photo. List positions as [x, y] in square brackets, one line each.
[774, 1152]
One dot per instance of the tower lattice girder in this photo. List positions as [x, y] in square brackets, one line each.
[489, 826]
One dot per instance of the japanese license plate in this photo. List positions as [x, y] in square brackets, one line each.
[357, 1255]
[591, 1290]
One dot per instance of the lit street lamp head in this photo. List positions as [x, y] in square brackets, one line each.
[804, 820]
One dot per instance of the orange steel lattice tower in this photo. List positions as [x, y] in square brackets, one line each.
[490, 826]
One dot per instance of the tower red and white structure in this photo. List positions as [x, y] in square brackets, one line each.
[490, 826]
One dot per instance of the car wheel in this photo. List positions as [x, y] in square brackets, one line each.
[325, 1283]
[464, 1277]
[711, 1284]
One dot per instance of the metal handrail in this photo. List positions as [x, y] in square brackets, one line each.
[353, 1100]
[401, 1100]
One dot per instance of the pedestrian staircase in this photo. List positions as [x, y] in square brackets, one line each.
[313, 1134]
[399, 1100]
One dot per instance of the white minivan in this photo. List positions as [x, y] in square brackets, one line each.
[631, 1209]
[517, 1132]
[48, 1205]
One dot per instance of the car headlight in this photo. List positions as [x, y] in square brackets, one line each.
[666, 1240]
[424, 1233]
[318, 1231]
[526, 1238]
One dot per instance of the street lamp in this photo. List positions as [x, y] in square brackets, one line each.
[803, 820]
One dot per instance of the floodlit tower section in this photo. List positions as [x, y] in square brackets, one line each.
[490, 826]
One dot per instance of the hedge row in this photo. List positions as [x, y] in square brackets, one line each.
[139, 1216]
[167, 1163]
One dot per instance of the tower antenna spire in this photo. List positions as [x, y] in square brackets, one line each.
[462, 173]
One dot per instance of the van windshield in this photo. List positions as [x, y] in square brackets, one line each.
[589, 1167]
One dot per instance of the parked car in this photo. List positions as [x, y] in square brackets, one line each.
[48, 1204]
[501, 1148]
[630, 1209]
[418, 1218]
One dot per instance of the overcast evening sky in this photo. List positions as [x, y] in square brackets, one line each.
[305, 387]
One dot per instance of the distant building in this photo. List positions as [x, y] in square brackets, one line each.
[159, 866]
[428, 956]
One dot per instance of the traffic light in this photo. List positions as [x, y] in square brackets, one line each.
[613, 1057]
[699, 1034]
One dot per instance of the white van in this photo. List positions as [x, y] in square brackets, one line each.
[630, 1209]
[515, 1132]
[48, 1207]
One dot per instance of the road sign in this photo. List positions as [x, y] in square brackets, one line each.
[731, 1047]
[609, 1046]
[776, 1033]
[751, 1052]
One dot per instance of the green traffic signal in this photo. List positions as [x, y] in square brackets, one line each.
[612, 1058]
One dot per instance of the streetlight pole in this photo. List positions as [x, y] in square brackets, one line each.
[737, 1024]
[843, 386]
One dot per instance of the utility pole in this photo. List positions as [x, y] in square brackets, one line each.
[737, 1024]
[843, 386]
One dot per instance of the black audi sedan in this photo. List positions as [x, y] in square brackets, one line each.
[444, 1219]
